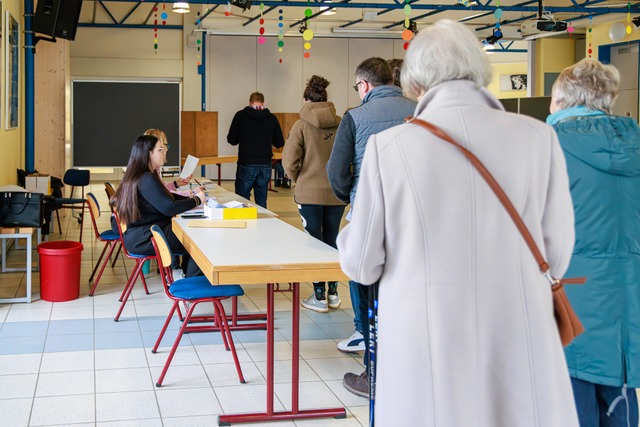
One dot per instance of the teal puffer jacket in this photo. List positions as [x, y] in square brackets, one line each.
[603, 161]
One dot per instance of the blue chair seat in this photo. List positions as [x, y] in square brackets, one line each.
[198, 287]
[109, 235]
[67, 201]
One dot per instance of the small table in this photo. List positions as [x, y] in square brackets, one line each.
[246, 256]
[19, 233]
[219, 160]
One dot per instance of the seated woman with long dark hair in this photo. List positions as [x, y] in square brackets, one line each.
[142, 200]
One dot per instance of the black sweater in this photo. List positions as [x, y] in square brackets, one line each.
[156, 207]
[255, 131]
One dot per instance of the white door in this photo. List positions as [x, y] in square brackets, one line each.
[625, 58]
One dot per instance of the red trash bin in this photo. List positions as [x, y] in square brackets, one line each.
[60, 270]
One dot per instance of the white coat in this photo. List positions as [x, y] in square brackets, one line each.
[466, 329]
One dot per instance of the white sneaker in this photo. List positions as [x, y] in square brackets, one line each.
[334, 300]
[352, 344]
[312, 303]
[177, 274]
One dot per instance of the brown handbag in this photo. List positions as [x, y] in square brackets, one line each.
[569, 325]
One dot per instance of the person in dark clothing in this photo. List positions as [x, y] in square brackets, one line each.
[254, 130]
[142, 200]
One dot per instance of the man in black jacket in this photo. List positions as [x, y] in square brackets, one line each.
[255, 130]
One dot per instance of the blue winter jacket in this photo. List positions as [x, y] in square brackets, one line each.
[383, 107]
[603, 161]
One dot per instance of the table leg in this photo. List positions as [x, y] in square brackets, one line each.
[219, 173]
[295, 413]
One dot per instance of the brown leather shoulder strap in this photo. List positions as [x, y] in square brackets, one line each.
[504, 199]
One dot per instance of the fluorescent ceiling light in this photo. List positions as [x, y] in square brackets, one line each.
[181, 7]
[326, 9]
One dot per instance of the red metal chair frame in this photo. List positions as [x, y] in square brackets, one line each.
[110, 244]
[220, 323]
[137, 270]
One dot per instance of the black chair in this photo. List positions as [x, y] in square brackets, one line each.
[74, 178]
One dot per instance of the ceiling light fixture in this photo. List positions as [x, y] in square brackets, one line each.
[180, 7]
[327, 9]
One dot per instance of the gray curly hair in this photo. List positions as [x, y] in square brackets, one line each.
[588, 83]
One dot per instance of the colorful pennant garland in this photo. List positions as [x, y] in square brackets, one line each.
[589, 36]
[629, 27]
[280, 34]
[261, 39]
[407, 34]
[307, 34]
[198, 41]
[164, 17]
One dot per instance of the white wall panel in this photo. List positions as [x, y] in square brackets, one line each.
[238, 65]
[328, 59]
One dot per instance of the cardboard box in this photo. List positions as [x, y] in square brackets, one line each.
[37, 183]
[230, 213]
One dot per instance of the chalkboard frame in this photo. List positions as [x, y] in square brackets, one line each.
[108, 116]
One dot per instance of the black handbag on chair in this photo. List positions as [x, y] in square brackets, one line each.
[21, 209]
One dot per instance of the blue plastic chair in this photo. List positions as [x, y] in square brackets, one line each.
[191, 292]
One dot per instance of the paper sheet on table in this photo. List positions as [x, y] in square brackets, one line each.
[190, 166]
[208, 223]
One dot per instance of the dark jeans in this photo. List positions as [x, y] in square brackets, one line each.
[256, 177]
[593, 402]
[277, 166]
[322, 222]
[363, 308]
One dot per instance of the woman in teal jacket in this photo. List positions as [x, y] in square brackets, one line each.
[603, 160]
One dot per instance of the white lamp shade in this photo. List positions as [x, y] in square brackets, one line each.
[180, 7]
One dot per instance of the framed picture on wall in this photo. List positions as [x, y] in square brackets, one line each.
[12, 64]
[509, 82]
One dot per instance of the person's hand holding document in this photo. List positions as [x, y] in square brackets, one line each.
[189, 167]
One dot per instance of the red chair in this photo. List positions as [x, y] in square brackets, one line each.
[137, 270]
[110, 239]
[192, 291]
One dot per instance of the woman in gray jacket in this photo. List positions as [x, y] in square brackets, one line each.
[304, 158]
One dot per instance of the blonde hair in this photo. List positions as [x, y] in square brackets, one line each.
[162, 137]
[445, 51]
[588, 83]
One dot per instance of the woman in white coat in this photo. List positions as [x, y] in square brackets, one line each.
[457, 280]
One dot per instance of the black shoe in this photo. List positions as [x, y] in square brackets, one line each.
[277, 183]
[286, 183]
[357, 384]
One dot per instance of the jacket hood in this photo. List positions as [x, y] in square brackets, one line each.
[608, 143]
[320, 114]
[257, 115]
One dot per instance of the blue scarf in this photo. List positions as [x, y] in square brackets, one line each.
[567, 113]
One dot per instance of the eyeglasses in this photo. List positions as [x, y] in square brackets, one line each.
[355, 86]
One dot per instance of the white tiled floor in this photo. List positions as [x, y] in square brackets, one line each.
[68, 363]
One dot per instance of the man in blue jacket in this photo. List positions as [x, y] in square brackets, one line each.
[383, 106]
[255, 130]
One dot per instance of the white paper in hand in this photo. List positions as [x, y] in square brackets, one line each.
[189, 166]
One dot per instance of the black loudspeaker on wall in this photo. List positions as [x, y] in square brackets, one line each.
[57, 18]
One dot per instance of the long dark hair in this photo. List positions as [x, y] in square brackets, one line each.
[126, 198]
[316, 90]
